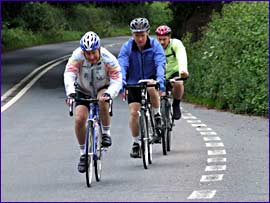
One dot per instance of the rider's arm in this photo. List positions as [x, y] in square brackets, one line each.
[123, 59]
[71, 71]
[114, 72]
[181, 55]
[160, 62]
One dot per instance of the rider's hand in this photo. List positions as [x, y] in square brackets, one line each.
[70, 98]
[184, 74]
[105, 97]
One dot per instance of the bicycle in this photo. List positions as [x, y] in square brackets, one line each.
[167, 116]
[146, 122]
[93, 139]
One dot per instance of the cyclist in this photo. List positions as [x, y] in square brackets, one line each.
[91, 71]
[141, 57]
[176, 65]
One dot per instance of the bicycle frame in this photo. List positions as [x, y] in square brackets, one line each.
[93, 119]
[146, 122]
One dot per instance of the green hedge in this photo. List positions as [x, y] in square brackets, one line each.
[228, 67]
[32, 23]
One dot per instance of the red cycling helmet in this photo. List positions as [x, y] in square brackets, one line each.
[163, 30]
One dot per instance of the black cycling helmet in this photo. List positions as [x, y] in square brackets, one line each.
[139, 25]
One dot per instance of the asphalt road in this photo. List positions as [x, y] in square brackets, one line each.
[39, 152]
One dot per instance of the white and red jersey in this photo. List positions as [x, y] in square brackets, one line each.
[92, 77]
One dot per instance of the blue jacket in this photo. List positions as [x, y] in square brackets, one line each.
[148, 64]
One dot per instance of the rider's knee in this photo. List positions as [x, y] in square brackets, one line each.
[80, 119]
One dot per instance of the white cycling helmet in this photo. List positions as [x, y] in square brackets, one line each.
[139, 25]
[90, 41]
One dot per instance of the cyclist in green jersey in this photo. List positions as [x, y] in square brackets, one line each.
[176, 65]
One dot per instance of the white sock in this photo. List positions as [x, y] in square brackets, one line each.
[156, 111]
[82, 149]
[106, 129]
[136, 139]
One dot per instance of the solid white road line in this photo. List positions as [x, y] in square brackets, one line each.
[28, 86]
[15, 87]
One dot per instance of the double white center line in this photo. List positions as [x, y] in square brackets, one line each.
[35, 75]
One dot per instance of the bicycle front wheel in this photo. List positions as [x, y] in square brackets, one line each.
[98, 156]
[170, 124]
[89, 150]
[164, 127]
[144, 139]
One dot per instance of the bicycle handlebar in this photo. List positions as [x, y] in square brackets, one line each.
[177, 79]
[143, 83]
[91, 100]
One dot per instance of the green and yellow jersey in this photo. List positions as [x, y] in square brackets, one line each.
[176, 58]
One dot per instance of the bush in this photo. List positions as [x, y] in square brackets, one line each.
[41, 17]
[17, 38]
[229, 65]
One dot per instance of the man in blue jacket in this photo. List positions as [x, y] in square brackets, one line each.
[141, 57]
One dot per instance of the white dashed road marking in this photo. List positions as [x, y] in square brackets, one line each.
[210, 138]
[216, 159]
[216, 152]
[208, 133]
[212, 177]
[214, 144]
[202, 194]
[194, 121]
[204, 129]
[215, 168]
[198, 125]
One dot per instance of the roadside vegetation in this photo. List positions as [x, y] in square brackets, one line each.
[229, 66]
[227, 51]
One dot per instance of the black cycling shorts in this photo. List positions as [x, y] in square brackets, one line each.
[79, 95]
[134, 93]
[168, 84]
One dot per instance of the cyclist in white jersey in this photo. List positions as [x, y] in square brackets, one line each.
[92, 71]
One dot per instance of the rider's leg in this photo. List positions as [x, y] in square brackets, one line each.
[81, 115]
[105, 120]
[177, 92]
[104, 113]
[134, 108]
[155, 99]
[155, 102]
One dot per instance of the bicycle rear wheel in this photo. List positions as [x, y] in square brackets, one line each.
[98, 156]
[144, 139]
[89, 149]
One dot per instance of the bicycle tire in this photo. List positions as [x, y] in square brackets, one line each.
[89, 149]
[164, 127]
[169, 127]
[151, 134]
[144, 139]
[98, 155]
